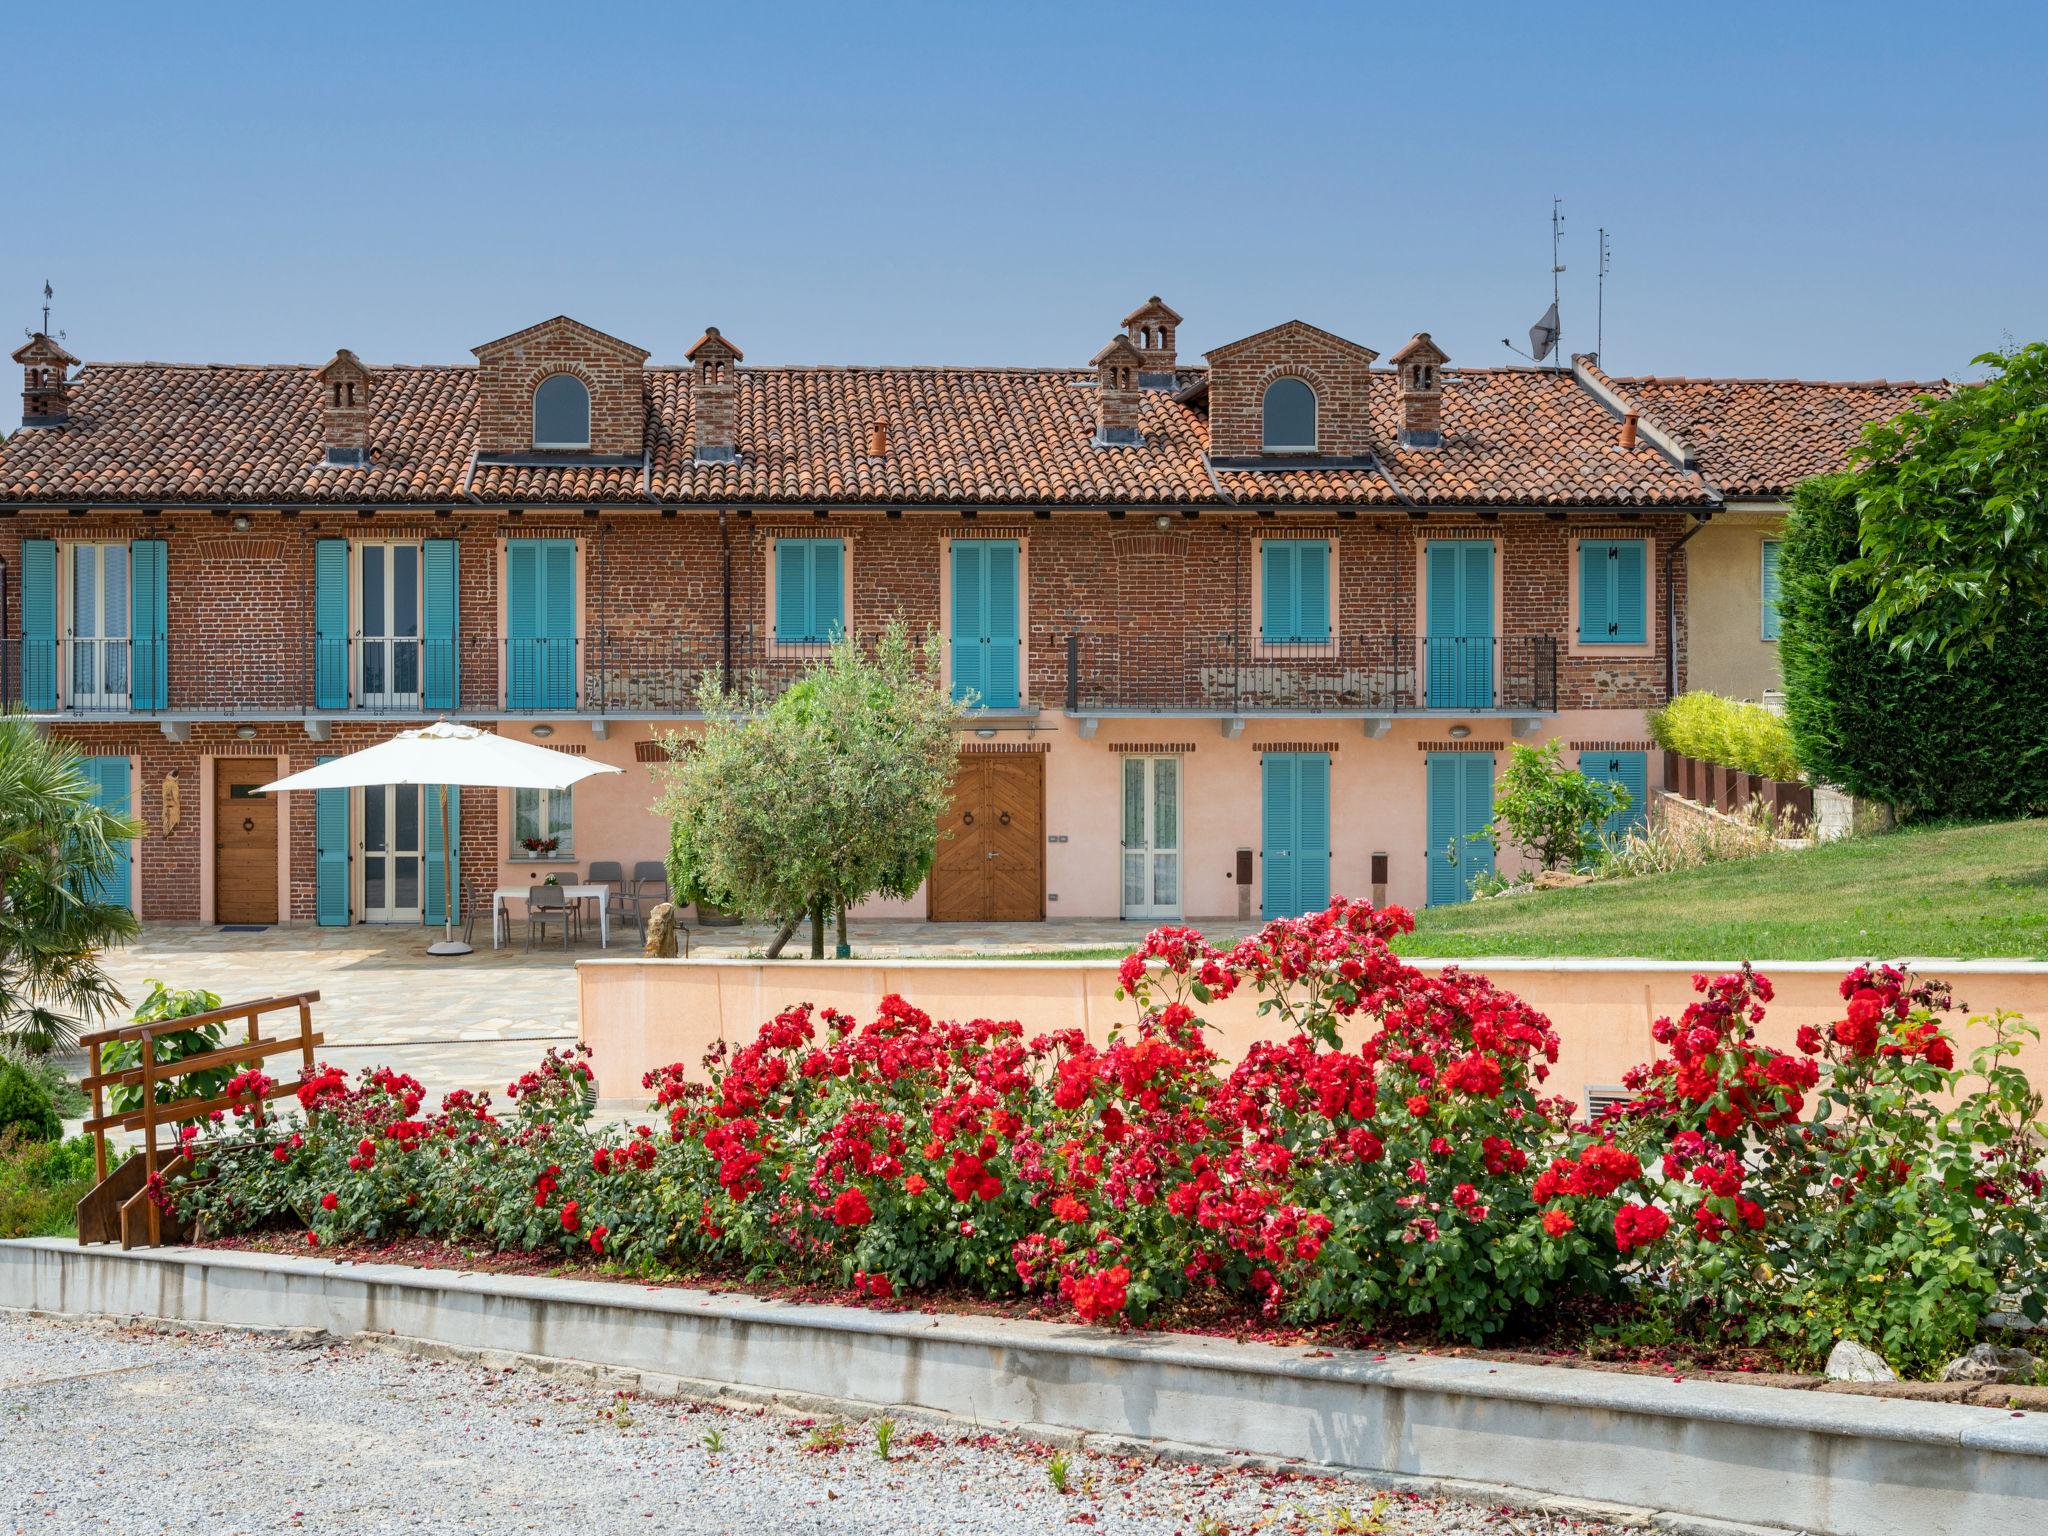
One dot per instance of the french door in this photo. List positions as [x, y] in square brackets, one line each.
[99, 627]
[393, 854]
[1151, 842]
[388, 626]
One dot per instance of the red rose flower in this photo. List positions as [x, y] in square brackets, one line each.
[851, 1208]
[1637, 1226]
[1557, 1223]
[329, 1201]
[570, 1220]
[597, 1237]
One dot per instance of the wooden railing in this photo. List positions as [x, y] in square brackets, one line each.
[121, 1204]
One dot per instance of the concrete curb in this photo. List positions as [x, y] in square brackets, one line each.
[1682, 1454]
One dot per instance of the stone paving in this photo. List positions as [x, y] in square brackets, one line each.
[478, 1020]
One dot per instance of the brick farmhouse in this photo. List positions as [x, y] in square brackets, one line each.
[1229, 636]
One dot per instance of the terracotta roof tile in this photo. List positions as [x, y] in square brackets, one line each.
[1760, 437]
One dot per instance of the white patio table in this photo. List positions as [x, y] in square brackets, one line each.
[598, 893]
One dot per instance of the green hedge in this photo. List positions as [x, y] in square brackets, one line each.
[1726, 731]
[1966, 741]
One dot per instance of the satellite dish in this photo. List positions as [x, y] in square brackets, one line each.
[1543, 334]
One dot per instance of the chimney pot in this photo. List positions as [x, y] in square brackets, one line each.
[878, 438]
[344, 409]
[1628, 432]
[714, 396]
[45, 382]
[1418, 367]
[1150, 328]
[1116, 393]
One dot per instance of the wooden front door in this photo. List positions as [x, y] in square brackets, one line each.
[244, 841]
[991, 861]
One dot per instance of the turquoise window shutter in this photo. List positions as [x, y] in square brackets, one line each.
[330, 855]
[792, 591]
[970, 619]
[1281, 774]
[39, 625]
[522, 624]
[1442, 613]
[1276, 599]
[558, 614]
[1476, 816]
[1003, 658]
[330, 624]
[1631, 770]
[828, 588]
[1773, 593]
[1458, 608]
[108, 778]
[430, 849]
[441, 682]
[148, 607]
[1631, 592]
[1596, 593]
[1312, 833]
[1312, 593]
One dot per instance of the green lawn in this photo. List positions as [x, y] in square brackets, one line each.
[1950, 892]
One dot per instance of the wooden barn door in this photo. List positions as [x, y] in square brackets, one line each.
[991, 861]
[244, 841]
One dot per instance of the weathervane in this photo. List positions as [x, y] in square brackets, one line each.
[49, 293]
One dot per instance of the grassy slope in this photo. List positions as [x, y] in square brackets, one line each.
[1950, 892]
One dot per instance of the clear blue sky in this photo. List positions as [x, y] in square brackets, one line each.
[1832, 190]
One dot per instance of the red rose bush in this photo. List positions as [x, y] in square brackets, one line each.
[1387, 1156]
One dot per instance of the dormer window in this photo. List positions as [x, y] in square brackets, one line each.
[1290, 417]
[561, 413]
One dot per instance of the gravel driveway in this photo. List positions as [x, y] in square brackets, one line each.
[129, 1430]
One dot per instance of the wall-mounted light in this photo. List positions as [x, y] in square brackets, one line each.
[985, 732]
[543, 730]
[1162, 522]
[1460, 732]
[241, 522]
[246, 732]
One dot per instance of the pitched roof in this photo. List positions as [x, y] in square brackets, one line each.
[1760, 437]
[231, 434]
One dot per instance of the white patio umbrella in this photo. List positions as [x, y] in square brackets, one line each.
[441, 754]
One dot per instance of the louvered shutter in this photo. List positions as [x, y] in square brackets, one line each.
[39, 625]
[1312, 833]
[1443, 855]
[792, 591]
[330, 855]
[1277, 614]
[558, 618]
[148, 605]
[1631, 592]
[1280, 774]
[1312, 592]
[1475, 816]
[1596, 593]
[1002, 630]
[441, 623]
[330, 625]
[109, 782]
[828, 588]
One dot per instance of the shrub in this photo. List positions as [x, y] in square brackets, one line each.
[171, 1046]
[1550, 812]
[1692, 842]
[26, 1108]
[1726, 731]
[66, 1095]
[1964, 737]
[41, 1183]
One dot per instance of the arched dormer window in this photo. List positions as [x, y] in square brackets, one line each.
[1290, 417]
[561, 413]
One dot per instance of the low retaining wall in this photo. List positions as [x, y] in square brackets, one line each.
[1703, 1451]
[640, 1014]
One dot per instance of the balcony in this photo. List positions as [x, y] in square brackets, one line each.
[1231, 676]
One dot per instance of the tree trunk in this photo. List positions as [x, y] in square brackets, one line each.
[844, 951]
[783, 935]
[818, 928]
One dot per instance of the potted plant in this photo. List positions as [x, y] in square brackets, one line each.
[540, 847]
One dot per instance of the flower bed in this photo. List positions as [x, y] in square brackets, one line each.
[1387, 1160]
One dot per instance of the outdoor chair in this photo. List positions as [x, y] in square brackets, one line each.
[547, 904]
[610, 874]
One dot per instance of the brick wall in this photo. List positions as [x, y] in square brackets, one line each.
[509, 370]
[1339, 372]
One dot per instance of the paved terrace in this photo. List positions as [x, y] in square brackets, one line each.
[479, 1020]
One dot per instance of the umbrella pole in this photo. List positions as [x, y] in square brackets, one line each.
[448, 944]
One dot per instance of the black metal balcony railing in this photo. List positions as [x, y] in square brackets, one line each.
[1232, 674]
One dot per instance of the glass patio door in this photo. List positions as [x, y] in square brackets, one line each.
[388, 627]
[99, 627]
[392, 853]
[1151, 841]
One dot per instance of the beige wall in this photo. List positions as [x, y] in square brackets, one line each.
[640, 1014]
[1377, 787]
[1724, 570]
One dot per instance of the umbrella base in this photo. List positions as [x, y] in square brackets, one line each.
[449, 947]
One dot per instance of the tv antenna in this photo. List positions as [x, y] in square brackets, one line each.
[1547, 333]
[1600, 309]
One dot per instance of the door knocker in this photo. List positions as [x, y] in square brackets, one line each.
[967, 818]
[1004, 818]
[248, 823]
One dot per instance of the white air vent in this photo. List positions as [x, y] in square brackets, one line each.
[1600, 1097]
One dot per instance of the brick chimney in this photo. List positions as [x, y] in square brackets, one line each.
[344, 410]
[1116, 394]
[1150, 327]
[714, 407]
[45, 382]
[1419, 366]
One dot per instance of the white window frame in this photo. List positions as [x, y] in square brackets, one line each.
[544, 802]
[390, 698]
[1152, 849]
[102, 699]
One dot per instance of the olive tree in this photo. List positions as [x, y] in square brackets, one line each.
[809, 801]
